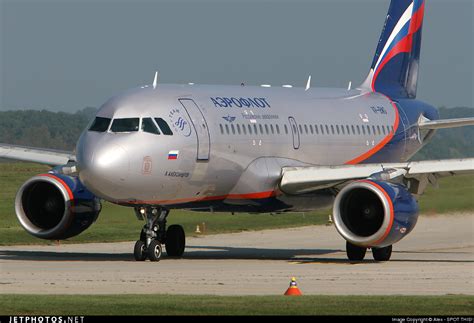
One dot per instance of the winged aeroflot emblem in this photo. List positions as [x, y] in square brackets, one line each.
[229, 118]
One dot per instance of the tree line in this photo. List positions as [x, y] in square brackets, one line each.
[60, 130]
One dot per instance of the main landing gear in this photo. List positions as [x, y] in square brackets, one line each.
[356, 253]
[154, 234]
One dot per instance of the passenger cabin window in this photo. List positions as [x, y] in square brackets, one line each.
[165, 129]
[125, 125]
[149, 126]
[100, 124]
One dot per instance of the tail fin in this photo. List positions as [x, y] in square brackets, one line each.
[394, 70]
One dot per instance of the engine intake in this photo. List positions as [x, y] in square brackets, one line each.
[374, 214]
[55, 206]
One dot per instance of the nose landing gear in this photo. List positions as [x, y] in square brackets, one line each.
[154, 235]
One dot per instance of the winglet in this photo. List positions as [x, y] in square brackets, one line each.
[155, 80]
[308, 83]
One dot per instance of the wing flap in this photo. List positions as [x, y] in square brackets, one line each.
[37, 155]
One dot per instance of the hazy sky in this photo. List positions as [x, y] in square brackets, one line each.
[68, 54]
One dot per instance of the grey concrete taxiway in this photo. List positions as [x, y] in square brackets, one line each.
[436, 258]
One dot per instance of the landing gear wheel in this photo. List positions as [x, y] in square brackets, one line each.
[154, 250]
[382, 254]
[139, 252]
[355, 253]
[143, 235]
[175, 241]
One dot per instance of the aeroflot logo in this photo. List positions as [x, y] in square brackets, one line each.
[223, 102]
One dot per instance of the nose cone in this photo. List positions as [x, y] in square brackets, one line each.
[103, 166]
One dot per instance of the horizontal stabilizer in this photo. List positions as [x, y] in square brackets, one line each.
[445, 123]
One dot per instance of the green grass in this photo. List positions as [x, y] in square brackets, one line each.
[227, 305]
[454, 194]
[117, 223]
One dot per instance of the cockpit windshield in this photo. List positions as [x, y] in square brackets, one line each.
[100, 124]
[125, 125]
[164, 127]
[149, 126]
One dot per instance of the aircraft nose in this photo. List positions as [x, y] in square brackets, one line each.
[103, 168]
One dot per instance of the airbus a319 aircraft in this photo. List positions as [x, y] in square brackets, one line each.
[253, 149]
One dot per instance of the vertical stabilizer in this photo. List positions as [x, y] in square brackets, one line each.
[394, 70]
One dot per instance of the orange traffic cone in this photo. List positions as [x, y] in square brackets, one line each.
[293, 290]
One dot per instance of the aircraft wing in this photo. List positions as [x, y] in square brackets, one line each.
[300, 180]
[37, 155]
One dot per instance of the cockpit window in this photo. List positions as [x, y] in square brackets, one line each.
[125, 125]
[100, 124]
[149, 126]
[164, 126]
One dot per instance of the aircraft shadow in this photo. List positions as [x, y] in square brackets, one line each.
[63, 256]
[298, 256]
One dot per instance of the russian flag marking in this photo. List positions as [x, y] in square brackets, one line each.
[173, 154]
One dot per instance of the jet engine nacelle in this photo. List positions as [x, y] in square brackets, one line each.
[374, 214]
[55, 206]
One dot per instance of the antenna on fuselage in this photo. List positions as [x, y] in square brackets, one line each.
[308, 83]
[349, 87]
[155, 80]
